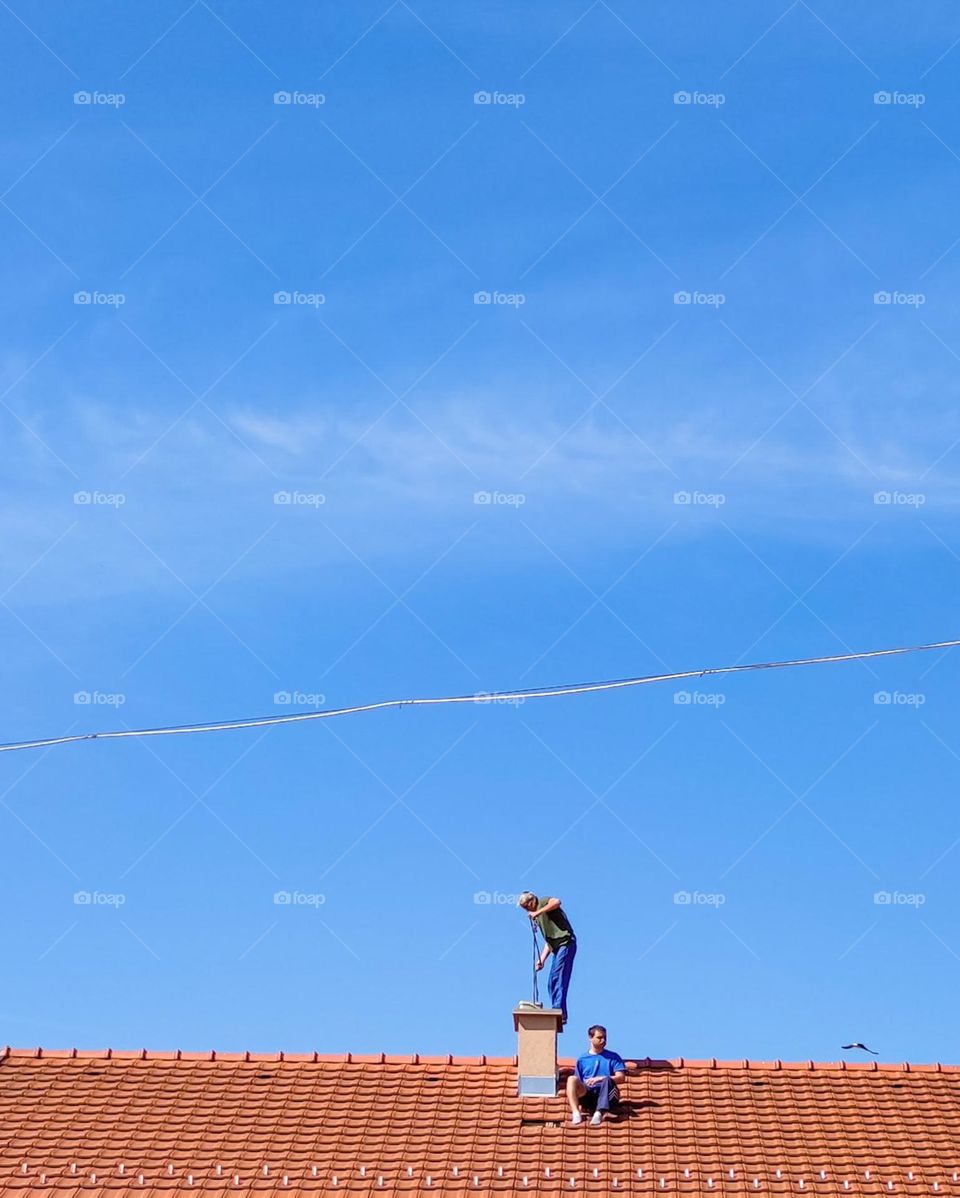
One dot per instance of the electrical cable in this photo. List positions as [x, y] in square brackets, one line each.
[545, 692]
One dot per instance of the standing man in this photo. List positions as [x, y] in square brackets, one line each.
[559, 940]
[598, 1072]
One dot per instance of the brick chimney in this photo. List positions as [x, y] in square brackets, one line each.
[537, 1031]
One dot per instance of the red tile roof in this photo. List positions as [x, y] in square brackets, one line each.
[111, 1123]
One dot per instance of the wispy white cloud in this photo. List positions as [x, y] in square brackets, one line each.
[197, 489]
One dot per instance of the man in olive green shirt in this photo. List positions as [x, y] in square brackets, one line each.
[559, 940]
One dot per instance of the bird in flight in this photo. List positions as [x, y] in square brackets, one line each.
[858, 1045]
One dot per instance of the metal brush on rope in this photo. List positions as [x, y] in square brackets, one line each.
[534, 1003]
[536, 958]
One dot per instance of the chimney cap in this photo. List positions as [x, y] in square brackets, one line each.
[540, 1017]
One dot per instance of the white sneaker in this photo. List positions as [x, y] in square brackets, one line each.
[596, 1120]
[576, 1118]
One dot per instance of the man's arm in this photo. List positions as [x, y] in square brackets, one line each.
[547, 950]
[552, 904]
[617, 1078]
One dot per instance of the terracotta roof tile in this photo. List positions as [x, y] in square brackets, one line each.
[92, 1124]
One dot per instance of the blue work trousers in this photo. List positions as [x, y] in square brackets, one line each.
[559, 982]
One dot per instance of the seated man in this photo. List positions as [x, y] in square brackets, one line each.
[598, 1072]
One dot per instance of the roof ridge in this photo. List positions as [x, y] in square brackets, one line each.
[381, 1058]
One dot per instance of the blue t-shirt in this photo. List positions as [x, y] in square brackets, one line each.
[599, 1064]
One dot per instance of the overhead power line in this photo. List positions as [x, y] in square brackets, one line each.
[545, 692]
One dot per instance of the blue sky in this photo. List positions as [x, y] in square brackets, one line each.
[618, 339]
